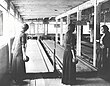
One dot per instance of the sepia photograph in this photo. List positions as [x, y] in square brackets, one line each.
[54, 42]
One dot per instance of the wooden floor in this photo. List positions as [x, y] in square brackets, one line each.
[39, 61]
[80, 67]
[40, 71]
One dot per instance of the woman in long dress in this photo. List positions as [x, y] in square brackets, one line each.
[105, 46]
[69, 76]
[18, 51]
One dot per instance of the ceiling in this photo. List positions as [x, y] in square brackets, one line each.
[34, 9]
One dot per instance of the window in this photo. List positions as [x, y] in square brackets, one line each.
[57, 25]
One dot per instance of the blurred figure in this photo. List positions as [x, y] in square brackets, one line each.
[69, 71]
[18, 51]
[105, 46]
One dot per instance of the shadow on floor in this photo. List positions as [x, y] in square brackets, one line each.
[89, 74]
[58, 75]
[82, 78]
[105, 75]
[43, 75]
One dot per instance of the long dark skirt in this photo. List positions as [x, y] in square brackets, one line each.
[104, 63]
[18, 67]
[69, 69]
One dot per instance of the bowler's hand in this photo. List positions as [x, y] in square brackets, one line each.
[24, 57]
[75, 61]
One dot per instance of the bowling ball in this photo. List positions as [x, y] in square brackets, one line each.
[27, 59]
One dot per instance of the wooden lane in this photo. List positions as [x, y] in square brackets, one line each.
[36, 62]
[47, 79]
[80, 67]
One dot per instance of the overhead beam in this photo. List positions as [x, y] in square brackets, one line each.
[83, 6]
[38, 13]
[33, 17]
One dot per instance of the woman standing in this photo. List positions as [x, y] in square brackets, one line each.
[18, 50]
[69, 76]
[105, 46]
